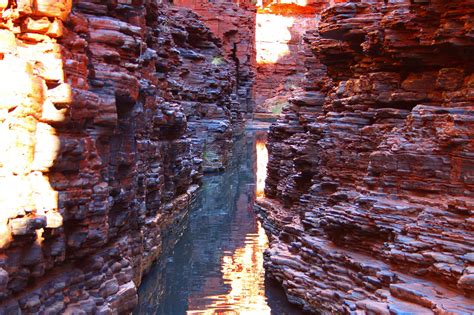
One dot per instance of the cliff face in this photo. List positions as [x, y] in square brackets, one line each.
[109, 113]
[370, 190]
[280, 54]
[264, 41]
[234, 23]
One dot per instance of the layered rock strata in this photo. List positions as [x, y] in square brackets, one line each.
[370, 191]
[279, 48]
[234, 23]
[109, 113]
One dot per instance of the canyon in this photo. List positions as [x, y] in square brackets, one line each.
[112, 113]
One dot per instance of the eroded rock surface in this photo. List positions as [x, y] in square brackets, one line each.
[234, 23]
[370, 190]
[109, 114]
[280, 51]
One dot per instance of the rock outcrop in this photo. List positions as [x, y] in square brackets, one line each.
[370, 191]
[234, 23]
[109, 114]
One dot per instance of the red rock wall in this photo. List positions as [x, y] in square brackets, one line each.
[370, 192]
[280, 30]
[109, 113]
[234, 23]
[280, 60]
[264, 40]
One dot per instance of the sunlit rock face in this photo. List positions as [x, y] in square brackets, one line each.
[369, 193]
[279, 51]
[109, 113]
[264, 39]
[280, 31]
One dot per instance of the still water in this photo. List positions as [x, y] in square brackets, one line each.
[217, 266]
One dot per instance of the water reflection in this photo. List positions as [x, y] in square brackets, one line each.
[262, 161]
[244, 272]
[217, 266]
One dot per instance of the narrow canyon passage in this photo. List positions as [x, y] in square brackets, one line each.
[217, 265]
[135, 178]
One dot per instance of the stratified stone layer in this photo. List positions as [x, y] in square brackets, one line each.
[280, 60]
[370, 187]
[233, 22]
[109, 114]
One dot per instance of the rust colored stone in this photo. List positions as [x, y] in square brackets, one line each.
[109, 115]
[369, 188]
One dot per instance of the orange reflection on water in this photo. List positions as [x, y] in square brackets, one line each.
[262, 161]
[244, 272]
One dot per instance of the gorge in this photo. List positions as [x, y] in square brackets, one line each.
[132, 176]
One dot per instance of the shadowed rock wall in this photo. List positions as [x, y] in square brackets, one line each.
[370, 178]
[234, 23]
[109, 113]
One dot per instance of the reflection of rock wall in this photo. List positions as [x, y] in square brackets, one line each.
[370, 190]
[198, 256]
[106, 113]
